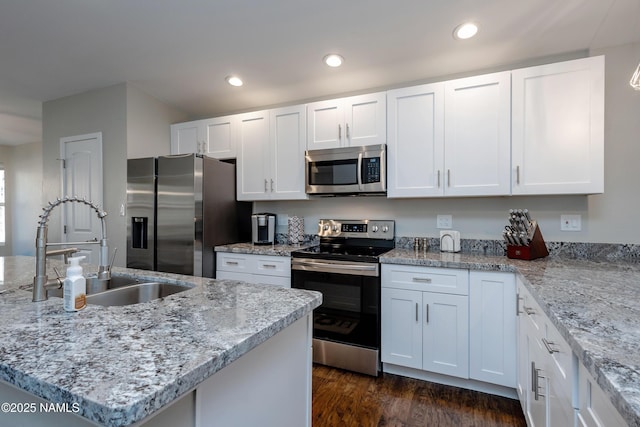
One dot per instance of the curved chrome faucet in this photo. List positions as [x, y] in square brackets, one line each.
[41, 282]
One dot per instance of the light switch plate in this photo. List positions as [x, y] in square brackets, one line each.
[444, 221]
[570, 222]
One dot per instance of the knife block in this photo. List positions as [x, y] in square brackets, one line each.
[535, 249]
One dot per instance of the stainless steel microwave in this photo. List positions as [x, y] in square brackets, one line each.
[347, 170]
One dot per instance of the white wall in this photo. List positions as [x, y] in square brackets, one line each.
[148, 120]
[606, 218]
[26, 190]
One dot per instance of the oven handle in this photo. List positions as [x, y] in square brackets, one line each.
[354, 269]
[359, 171]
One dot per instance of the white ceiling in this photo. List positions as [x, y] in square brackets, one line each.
[180, 51]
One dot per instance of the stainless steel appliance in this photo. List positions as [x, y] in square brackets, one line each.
[345, 268]
[263, 228]
[178, 209]
[348, 170]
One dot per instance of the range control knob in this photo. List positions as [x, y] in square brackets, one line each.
[385, 228]
[335, 228]
[326, 227]
[374, 228]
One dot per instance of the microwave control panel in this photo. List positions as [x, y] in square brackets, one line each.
[371, 170]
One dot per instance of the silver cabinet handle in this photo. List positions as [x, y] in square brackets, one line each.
[269, 265]
[272, 185]
[448, 177]
[548, 345]
[427, 314]
[339, 132]
[535, 381]
[530, 311]
[265, 185]
[518, 175]
[421, 279]
[231, 262]
[518, 298]
[416, 312]
[348, 136]
[438, 178]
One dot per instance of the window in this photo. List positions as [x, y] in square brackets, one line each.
[2, 216]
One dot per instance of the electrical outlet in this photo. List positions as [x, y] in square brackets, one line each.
[570, 222]
[444, 221]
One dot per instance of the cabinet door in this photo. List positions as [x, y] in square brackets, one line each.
[253, 165]
[558, 128]
[221, 134]
[325, 126]
[415, 145]
[365, 119]
[187, 138]
[288, 141]
[523, 370]
[401, 335]
[492, 327]
[594, 407]
[445, 342]
[477, 135]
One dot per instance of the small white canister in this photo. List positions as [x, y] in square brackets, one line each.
[296, 230]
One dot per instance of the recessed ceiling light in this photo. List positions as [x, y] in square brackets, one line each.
[333, 60]
[465, 31]
[234, 80]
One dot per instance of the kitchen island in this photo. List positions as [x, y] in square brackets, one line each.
[222, 352]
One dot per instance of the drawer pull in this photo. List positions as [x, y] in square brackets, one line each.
[416, 312]
[269, 265]
[231, 262]
[529, 310]
[421, 279]
[548, 345]
[427, 314]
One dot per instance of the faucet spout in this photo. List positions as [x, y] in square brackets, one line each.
[41, 282]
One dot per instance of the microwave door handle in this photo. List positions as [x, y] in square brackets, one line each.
[359, 172]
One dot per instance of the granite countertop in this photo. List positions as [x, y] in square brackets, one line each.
[124, 363]
[595, 305]
[250, 248]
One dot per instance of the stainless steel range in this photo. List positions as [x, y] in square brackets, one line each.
[345, 268]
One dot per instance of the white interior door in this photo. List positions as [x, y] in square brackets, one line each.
[82, 177]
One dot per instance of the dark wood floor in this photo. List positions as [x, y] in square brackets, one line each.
[345, 399]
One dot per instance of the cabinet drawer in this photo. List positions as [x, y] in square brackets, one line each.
[273, 266]
[442, 280]
[561, 358]
[233, 262]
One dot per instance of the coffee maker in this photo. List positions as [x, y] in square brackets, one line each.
[263, 228]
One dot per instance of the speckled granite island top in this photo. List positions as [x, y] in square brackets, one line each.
[250, 248]
[122, 364]
[594, 305]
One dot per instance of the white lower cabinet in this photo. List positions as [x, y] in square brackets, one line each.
[423, 329]
[251, 268]
[492, 327]
[594, 408]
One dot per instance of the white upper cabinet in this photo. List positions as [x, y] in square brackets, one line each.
[287, 142]
[477, 137]
[558, 128]
[271, 154]
[253, 165]
[187, 137]
[214, 137]
[353, 121]
[415, 143]
[450, 138]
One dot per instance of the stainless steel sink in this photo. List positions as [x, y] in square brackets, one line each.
[94, 285]
[135, 294]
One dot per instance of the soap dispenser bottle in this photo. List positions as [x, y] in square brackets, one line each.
[75, 286]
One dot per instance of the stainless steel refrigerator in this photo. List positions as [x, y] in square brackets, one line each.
[178, 209]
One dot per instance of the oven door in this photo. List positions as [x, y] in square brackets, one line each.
[350, 310]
